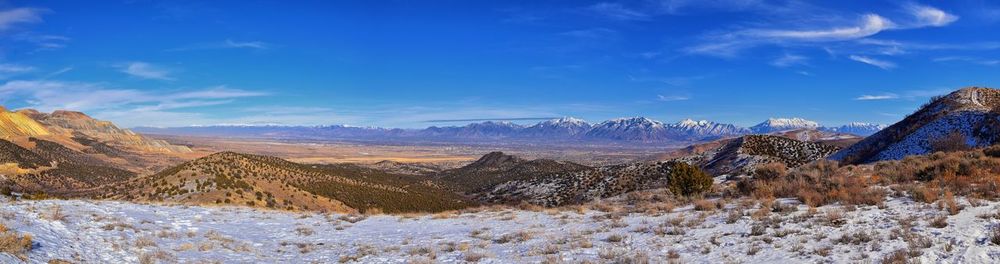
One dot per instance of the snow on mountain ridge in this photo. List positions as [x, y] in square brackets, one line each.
[781, 124]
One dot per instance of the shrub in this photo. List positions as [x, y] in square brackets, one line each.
[995, 236]
[992, 151]
[954, 141]
[688, 180]
[770, 171]
[704, 205]
[939, 222]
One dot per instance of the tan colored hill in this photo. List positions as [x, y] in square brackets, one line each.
[77, 124]
[262, 181]
[14, 124]
[100, 143]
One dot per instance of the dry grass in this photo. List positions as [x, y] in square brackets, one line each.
[705, 205]
[14, 244]
[939, 222]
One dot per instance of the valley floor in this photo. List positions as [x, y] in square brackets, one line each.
[119, 232]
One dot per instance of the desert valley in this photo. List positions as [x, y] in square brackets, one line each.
[924, 189]
[547, 131]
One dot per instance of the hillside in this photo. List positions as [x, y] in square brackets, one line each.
[14, 124]
[739, 156]
[262, 181]
[970, 112]
[52, 168]
[78, 124]
[496, 167]
[581, 186]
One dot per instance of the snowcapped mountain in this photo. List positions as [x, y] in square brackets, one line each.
[630, 129]
[857, 128]
[782, 124]
[706, 129]
[566, 126]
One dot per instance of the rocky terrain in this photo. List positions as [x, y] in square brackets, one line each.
[581, 186]
[742, 155]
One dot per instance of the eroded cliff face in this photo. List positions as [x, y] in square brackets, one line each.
[14, 124]
[75, 124]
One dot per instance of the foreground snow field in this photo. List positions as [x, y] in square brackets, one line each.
[119, 232]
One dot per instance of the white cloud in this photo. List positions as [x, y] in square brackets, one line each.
[246, 44]
[788, 60]
[886, 96]
[145, 70]
[7, 68]
[227, 44]
[593, 33]
[23, 15]
[930, 16]
[806, 32]
[671, 98]
[617, 11]
[53, 95]
[870, 24]
[885, 65]
[973, 60]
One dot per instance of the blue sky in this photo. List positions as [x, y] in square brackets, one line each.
[421, 63]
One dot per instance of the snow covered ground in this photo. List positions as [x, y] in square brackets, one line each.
[119, 232]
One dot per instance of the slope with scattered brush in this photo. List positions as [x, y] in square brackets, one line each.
[53, 168]
[404, 167]
[972, 112]
[496, 167]
[742, 155]
[262, 181]
[581, 186]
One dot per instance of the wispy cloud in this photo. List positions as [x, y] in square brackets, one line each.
[145, 70]
[672, 98]
[973, 60]
[24, 15]
[789, 60]
[885, 65]
[617, 11]
[14, 68]
[885, 96]
[52, 95]
[673, 80]
[227, 44]
[592, 33]
[930, 16]
[730, 43]
[246, 44]
[8, 70]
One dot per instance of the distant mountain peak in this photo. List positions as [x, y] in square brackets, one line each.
[781, 124]
[70, 115]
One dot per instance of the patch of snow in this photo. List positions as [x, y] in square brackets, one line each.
[106, 232]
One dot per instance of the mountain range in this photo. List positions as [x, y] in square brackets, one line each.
[568, 129]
